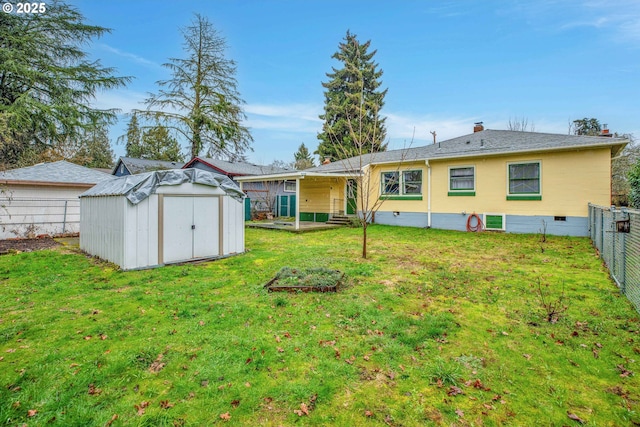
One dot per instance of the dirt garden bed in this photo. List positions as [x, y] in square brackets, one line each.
[27, 245]
[305, 280]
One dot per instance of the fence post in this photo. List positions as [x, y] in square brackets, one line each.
[64, 217]
[612, 267]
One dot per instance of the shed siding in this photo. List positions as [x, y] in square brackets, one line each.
[102, 220]
[232, 226]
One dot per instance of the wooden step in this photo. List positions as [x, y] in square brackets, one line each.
[339, 220]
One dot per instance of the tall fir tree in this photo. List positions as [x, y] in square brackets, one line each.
[201, 101]
[303, 159]
[133, 138]
[353, 100]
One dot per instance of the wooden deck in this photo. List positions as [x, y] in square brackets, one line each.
[290, 226]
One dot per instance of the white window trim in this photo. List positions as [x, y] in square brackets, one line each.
[285, 186]
[524, 162]
[504, 221]
[401, 183]
[461, 167]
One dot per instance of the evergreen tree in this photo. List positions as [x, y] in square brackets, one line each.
[133, 138]
[634, 184]
[303, 159]
[589, 127]
[201, 100]
[353, 100]
[158, 144]
[95, 149]
[47, 82]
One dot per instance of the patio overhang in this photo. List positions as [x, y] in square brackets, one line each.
[296, 176]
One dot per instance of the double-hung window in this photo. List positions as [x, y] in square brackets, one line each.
[403, 185]
[524, 181]
[290, 186]
[462, 181]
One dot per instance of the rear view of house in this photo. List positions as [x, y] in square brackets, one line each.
[499, 180]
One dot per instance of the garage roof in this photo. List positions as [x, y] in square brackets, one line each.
[55, 172]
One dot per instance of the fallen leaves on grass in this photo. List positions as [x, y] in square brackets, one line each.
[302, 411]
[454, 391]
[460, 413]
[624, 372]
[141, 407]
[157, 365]
[165, 404]
[226, 416]
[115, 417]
[93, 390]
[574, 417]
[32, 412]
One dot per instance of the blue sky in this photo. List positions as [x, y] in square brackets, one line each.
[446, 64]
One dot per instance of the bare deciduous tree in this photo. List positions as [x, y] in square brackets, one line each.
[520, 124]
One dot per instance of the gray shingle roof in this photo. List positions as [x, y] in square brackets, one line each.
[484, 143]
[56, 172]
[143, 165]
[237, 168]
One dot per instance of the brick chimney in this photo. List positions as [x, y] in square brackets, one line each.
[478, 127]
[326, 161]
[605, 131]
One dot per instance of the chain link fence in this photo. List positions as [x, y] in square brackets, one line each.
[22, 217]
[616, 234]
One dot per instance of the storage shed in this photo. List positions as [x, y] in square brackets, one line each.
[162, 217]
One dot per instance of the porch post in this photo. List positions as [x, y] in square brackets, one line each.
[297, 203]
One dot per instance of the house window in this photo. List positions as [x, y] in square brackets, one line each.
[290, 186]
[524, 181]
[412, 182]
[462, 181]
[390, 183]
[405, 185]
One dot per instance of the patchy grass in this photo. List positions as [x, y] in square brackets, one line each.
[435, 328]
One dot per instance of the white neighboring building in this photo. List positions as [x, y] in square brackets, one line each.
[43, 199]
[162, 217]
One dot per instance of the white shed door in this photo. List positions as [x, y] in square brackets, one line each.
[190, 228]
[206, 221]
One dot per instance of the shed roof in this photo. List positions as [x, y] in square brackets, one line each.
[138, 187]
[235, 168]
[135, 166]
[56, 172]
[479, 144]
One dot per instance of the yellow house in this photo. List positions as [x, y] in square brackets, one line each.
[512, 181]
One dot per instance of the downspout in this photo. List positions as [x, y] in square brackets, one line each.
[297, 227]
[426, 162]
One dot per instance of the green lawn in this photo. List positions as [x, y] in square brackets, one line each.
[435, 328]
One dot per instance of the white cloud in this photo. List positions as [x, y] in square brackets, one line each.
[618, 20]
[294, 118]
[123, 100]
[132, 56]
